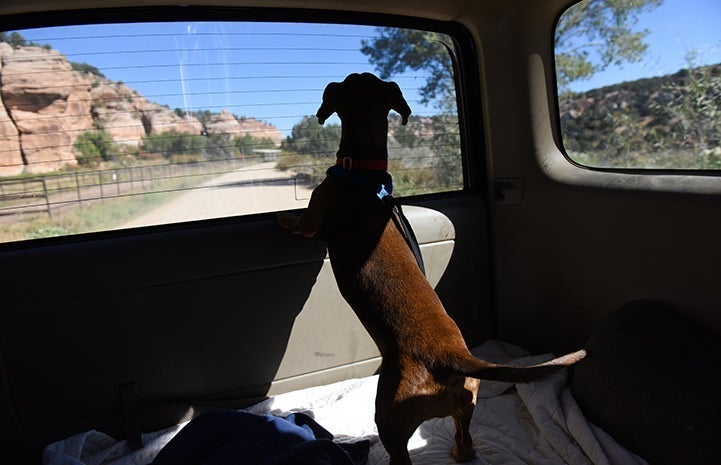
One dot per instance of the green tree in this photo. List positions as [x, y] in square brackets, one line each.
[308, 137]
[445, 143]
[14, 39]
[246, 144]
[172, 142]
[590, 36]
[218, 147]
[92, 147]
[405, 135]
[86, 68]
[693, 106]
[396, 50]
[593, 34]
[203, 116]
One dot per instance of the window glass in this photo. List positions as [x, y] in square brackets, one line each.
[125, 125]
[639, 83]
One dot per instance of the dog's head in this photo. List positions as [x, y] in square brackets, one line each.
[363, 94]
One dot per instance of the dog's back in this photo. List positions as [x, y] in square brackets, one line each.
[379, 277]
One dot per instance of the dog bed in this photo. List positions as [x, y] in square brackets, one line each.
[535, 423]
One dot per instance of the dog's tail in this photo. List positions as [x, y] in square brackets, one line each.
[481, 369]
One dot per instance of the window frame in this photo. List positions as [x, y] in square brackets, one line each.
[555, 162]
[466, 81]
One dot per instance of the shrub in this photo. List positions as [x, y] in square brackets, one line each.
[247, 144]
[86, 68]
[219, 147]
[184, 159]
[92, 147]
[308, 167]
[172, 142]
[309, 137]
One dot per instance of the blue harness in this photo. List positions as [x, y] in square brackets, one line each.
[384, 190]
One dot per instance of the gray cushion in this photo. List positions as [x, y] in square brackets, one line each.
[651, 380]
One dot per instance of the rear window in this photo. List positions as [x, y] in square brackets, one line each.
[118, 126]
[639, 84]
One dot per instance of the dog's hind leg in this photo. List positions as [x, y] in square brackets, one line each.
[466, 397]
[394, 435]
[463, 450]
[397, 417]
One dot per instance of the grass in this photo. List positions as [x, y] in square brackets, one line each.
[113, 212]
[102, 215]
[672, 159]
[406, 180]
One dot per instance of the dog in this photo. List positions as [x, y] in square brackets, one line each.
[427, 371]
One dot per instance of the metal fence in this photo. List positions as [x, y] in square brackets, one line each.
[47, 194]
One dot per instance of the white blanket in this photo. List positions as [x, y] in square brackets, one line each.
[535, 423]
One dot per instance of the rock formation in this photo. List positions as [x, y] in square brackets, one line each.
[46, 105]
[11, 159]
[116, 111]
[159, 119]
[260, 130]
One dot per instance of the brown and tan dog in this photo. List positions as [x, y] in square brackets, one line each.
[427, 370]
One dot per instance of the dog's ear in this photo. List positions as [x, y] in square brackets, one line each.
[330, 97]
[398, 103]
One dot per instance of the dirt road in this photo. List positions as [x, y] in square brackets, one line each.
[254, 189]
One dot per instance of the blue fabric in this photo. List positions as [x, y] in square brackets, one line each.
[381, 189]
[232, 437]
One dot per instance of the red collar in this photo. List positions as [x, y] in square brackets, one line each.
[361, 164]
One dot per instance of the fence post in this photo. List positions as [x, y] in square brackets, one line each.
[100, 183]
[47, 197]
[77, 190]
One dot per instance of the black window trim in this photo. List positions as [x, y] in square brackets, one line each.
[467, 82]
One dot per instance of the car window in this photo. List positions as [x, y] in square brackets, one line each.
[117, 126]
[639, 84]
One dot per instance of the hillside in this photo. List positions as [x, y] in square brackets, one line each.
[47, 104]
[674, 111]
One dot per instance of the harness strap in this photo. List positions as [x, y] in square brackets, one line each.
[405, 228]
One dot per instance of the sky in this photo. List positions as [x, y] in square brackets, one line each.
[277, 72]
[272, 72]
[676, 27]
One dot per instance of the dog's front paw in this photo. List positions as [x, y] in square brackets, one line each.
[287, 220]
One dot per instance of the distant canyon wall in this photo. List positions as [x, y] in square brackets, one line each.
[45, 105]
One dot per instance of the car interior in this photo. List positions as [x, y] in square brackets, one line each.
[544, 227]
